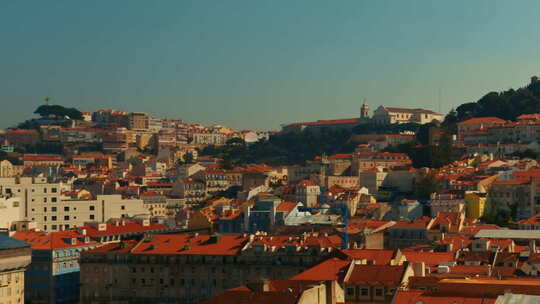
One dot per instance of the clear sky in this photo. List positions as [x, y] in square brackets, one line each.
[257, 64]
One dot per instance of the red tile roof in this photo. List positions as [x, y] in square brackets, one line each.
[482, 120]
[286, 206]
[326, 122]
[376, 275]
[191, 244]
[54, 240]
[126, 228]
[430, 258]
[377, 256]
[331, 269]
[419, 296]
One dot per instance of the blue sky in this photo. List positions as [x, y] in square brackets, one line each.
[257, 64]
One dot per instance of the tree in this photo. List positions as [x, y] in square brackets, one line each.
[59, 112]
[425, 185]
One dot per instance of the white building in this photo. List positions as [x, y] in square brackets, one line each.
[10, 212]
[388, 115]
[42, 202]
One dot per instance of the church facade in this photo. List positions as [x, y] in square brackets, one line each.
[382, 115]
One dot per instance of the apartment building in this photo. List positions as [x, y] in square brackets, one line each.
[43, 203]
[53, 275]
[188, 268]
[138, 121]
[15, 256]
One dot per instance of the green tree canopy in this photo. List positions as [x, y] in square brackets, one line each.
[58, 111]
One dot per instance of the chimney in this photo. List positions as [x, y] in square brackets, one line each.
[419, 269]
[214, 239]
[259, 285]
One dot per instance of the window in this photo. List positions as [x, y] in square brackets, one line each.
[364, 292]
[44, 227]
[66, 217]
[44, 199]
[350, 291]
[379, 292]
[54, 219]
[44, 209]
[123, 207]
[92, 208]
[53, 209]
[53, 199]
[53, 227]
[91, 216]
[44, 218]
[66, 208]
[53, 190]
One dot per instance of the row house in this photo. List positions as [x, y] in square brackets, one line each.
[215, 180]
[50, 160]
[7, 169]
[375, 283]
[473, 125]
[80, 135]
[518, 195]
[405, 234]
[205, 138]
[189, 268]
[20, 137]
[106, 117]
[193, 192]
[116, 230]
[369, 160]
[280, 291]
[53, 275]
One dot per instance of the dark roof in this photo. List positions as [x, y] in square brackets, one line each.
[7, 242]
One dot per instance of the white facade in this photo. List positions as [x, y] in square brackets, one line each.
[43, 203]
[387, 115]
[10, 211]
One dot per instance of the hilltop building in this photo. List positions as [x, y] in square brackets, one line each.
[382, 115]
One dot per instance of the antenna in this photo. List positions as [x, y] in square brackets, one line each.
[440, 99]
[47, 100]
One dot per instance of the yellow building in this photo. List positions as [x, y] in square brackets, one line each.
[475, 204]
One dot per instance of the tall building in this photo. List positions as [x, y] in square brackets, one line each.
[138, 121]
[15, 256]
[53, 275]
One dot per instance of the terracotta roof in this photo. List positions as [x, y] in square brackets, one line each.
[128, 227]
[122, 247]
[378, 256]
[529, 117]
[333, 269]
[286, 206]
[482, 120]
[419, 296]
[404, 110]
[430, 258]
[191, 244]
[40, 240]
[376, 275]
[326, 122]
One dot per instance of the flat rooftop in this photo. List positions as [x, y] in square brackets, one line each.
[508, 234]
